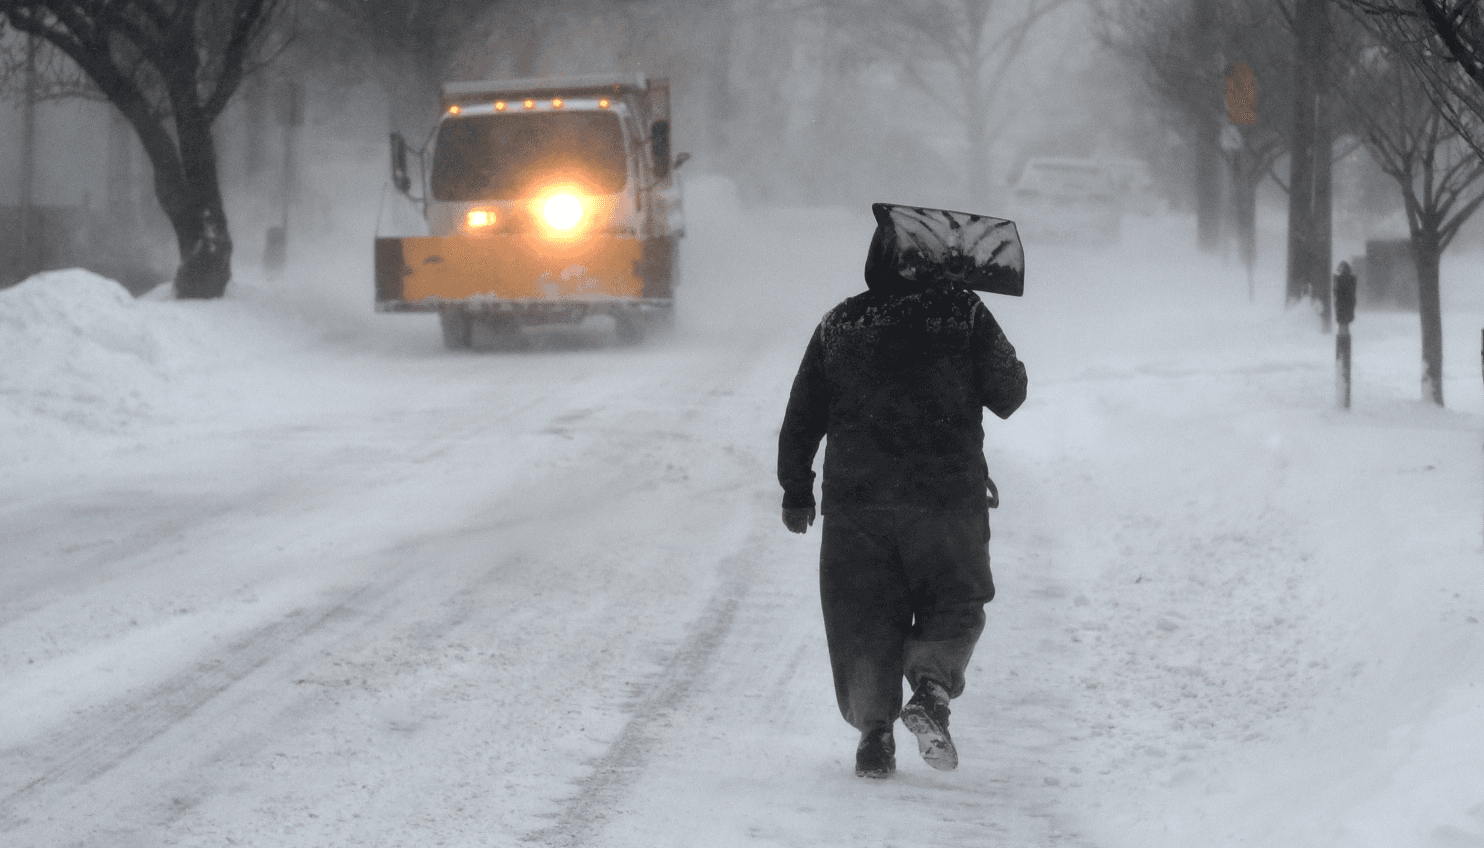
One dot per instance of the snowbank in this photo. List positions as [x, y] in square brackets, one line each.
[79, 350]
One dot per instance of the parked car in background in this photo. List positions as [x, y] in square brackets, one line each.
[1135, 187]
[1064, 200]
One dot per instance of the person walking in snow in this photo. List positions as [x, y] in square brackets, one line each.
[896, 379]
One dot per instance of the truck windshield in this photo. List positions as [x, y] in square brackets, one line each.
[509, 156]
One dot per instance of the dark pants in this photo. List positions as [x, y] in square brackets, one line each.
[903, 594]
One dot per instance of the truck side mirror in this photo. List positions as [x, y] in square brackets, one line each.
[680, 159]
[659, 147]
[400, 178]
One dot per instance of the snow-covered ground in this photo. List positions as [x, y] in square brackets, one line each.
[279, 571]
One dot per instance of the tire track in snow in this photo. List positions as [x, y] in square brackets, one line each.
[459, 607]
[90, 751]
[89, 748]
[583, 816]
[97, 550]
[38, 587]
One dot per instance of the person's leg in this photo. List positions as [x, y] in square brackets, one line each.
[867, 615]
[945, 557]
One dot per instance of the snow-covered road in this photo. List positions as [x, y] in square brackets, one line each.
[278, 572]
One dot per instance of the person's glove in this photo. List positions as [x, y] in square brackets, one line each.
[798, 519]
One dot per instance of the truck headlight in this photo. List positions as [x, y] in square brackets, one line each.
[562, 211]
[480, 219]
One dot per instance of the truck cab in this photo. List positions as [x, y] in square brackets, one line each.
[546, 200]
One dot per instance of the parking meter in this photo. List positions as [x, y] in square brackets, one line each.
[1344, 295]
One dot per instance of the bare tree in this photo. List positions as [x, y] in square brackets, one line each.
[1426, 150]
[1310, 156]
[170, 67]
[975, 43]
[1185, 51]
[410, 47]
[1443, 40]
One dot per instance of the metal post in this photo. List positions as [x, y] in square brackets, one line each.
[290, 115]
[1344, 300]
[1342, 366]
[291, 118]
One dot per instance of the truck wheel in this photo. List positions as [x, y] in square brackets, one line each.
[456, 328]
[661, 322]
[498, 332]
[628, 328]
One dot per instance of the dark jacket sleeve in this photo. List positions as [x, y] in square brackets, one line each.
[804, 424]
[999, 374]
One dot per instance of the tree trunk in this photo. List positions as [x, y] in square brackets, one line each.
[121, 210]
[1305, 157]
[1245, 178]
[718, 86]
[198, 215]
[1208, 161]
[1427, 250]
[1208, 166]
[1321, 244]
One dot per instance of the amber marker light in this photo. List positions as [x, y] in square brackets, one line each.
[557, 103]
[499, 105]
[530, 104]
[602, 104]
[454, 109]
[479, 219]
[562, 212]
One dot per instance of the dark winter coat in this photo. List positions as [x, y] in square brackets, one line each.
[897, 378]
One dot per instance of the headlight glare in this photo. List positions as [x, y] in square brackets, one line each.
[562, 211]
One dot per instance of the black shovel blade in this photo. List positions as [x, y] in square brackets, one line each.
[956, 248]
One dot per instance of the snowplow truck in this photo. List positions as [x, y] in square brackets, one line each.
[547, 201]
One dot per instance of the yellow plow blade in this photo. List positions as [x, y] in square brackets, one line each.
[510, 267]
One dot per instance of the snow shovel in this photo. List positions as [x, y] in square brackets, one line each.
[958, 248]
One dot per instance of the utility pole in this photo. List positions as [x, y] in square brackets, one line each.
[290, 116]
[255, 125]
[30, 234]
[122, 209]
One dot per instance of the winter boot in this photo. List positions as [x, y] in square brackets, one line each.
[876, 755]
[926, 715]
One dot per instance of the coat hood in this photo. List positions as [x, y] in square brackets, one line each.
[882, 272]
